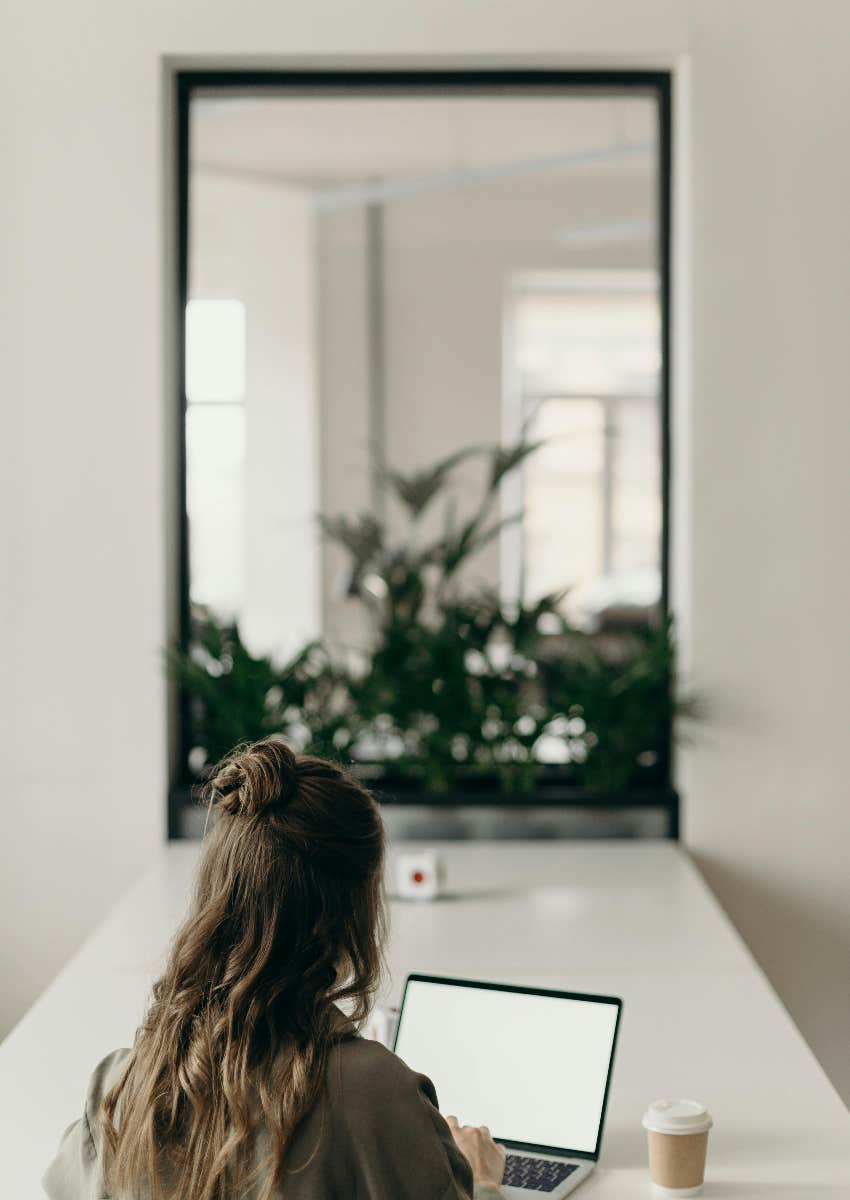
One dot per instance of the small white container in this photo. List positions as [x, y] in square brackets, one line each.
[418, 875]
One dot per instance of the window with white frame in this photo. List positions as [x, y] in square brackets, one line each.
[582, 378]
[215, 452]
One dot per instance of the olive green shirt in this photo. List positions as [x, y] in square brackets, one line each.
[383, 1137]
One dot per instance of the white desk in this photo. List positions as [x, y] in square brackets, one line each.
[632, 919]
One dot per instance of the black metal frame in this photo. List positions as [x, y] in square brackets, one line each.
[563, 1151]
[458, 81]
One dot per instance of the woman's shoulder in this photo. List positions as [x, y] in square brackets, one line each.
[364, 1061]
[105, 1075]
[75, 1168]
[365, 1073]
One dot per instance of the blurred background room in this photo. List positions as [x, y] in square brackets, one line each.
[444, 554]
[459, 390]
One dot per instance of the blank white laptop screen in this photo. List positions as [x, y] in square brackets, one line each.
[532, 1068]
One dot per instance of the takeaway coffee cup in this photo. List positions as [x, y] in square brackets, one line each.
[677, 1134]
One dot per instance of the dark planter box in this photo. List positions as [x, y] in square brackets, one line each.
[554, 789]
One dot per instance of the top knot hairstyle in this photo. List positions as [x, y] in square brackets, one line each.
[287, 921]
[259, 777]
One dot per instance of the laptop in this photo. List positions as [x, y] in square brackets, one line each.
[531, 1064]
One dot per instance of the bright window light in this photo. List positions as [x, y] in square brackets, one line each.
[583, 367]
[215, 351]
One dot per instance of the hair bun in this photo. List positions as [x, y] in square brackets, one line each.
[255, 778]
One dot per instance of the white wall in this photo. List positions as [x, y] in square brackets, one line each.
[768, 802]
[84, 460]
[344, 427]
[253, 240]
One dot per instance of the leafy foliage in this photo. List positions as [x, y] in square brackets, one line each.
[454, 685]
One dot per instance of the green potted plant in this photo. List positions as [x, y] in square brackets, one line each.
[456, 695]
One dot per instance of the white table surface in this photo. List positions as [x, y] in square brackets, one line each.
[632, 919]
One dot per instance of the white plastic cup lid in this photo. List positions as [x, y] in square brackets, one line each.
[677, 1116]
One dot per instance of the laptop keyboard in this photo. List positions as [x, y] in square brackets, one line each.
[536, 1174]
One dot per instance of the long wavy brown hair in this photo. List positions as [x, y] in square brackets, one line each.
[287, 922]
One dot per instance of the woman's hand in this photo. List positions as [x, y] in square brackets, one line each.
[486, 1157]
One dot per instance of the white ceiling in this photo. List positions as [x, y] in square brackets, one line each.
[324, 140]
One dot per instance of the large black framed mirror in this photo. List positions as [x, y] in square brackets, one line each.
[424, 420]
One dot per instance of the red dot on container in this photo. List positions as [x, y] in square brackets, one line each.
[418, 876]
